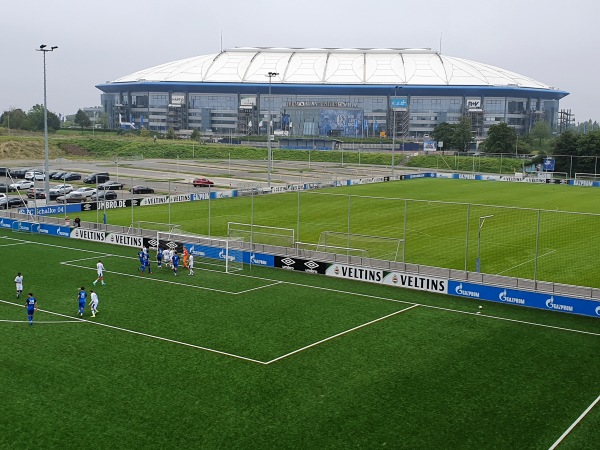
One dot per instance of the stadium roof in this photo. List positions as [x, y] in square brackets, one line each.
[333, 66]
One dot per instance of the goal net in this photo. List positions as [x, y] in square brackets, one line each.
[209, 252]
[377, 247]
[158, 226]
[587, 176]
[309, 249]
[261, 234]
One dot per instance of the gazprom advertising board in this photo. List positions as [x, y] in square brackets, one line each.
[524, 298]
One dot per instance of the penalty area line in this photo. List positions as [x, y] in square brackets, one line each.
[574, 424]
[340, 334]
[139, 333]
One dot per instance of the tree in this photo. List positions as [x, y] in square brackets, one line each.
[195, 135]
[444, 132]
[82, 120]
[35, 119]
[501, 139]
[462, 136]
[541, 130]
[14, 119]
[171, 133]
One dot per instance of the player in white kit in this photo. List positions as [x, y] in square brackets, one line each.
[100, 270]
[19, 284]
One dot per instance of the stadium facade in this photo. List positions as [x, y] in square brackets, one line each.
[327, 92]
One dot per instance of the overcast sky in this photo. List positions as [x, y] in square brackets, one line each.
[555, 42]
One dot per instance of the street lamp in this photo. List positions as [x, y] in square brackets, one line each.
[478, 262]
[269, 151]
[394, 130]
[43, 48]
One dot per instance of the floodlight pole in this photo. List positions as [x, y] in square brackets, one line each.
[478, 261]
[269, 151]
[44, 50]
[394, 130]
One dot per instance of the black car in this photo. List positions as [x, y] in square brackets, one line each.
[114, 185]
[19, 173]
[69, 176]
[100, 177]
[57, 175]
[37, 193]
[141, 190]
[6, 188]
[104, 195]
[12, 202]
[4, 171]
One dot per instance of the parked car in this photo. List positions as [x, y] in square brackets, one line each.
[87, 192]
[100, 177]
[36, 193]
[199, 182]
[12, 202]
[22, 185]
[113, 185]
[57, 175]
[141, 190]
[72, 197]
[19, 173]
[35, 175]
[104, 195]
[70, 176]
[4, 172]
[6, 188]
[62, 188]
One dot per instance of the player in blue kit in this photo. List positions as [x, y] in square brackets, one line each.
[159, 257]
[81, 297]
[31, 307]
[175, 262]
[146, 263]
[141, 258]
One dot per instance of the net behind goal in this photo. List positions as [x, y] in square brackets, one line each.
[378, 247]
[158, 226]
[214, 253]
[261, 234]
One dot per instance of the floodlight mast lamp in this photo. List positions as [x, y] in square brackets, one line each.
[44, 49]
[269, 151]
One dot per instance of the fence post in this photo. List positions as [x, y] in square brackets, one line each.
[467, 237]
[404, 246]
[348, 240]
[537, 245]
[298, 219]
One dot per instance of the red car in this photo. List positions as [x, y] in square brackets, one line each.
[199, 182]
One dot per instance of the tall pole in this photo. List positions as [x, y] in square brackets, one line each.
[478, 261]
[269, 151]
[44, 50]
[393, 131]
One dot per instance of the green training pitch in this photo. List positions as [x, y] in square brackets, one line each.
[534, 231]
[265, 358]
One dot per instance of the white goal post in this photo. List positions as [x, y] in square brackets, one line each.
[216, 253]
[262, 234]
[378, 247]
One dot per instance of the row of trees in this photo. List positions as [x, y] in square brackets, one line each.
[32, 120]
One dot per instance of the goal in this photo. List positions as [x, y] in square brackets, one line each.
[158, 226]
[309, 249]
[378, 247]
[210, 252]
[261, 234]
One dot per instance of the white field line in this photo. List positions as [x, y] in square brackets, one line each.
[257, 288]
[340, 334]
[107, 255]
[574, 424]
[526, 262]
[17, 243]
[143, 277]
[41, 321]
[139, 333]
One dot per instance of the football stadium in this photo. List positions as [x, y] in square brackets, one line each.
[327, 92]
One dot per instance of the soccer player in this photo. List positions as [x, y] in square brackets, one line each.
[94, 303]
[146, 263]
[100, 270]
[159, 257]
[141, 257]
[191, 264]
[167, 257]
[31, 307]
[19, 284]
[175, 261]
[81, 298]
[186, 255]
